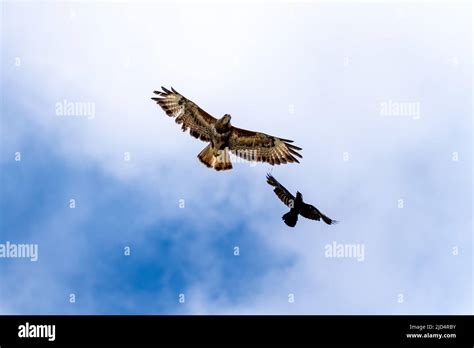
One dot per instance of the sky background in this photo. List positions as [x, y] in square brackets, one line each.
[317, 73]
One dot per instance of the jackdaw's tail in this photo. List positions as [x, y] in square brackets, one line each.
[290, 218]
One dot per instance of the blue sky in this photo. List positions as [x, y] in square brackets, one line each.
[318, 73]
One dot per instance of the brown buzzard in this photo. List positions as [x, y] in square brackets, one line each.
[222, 136]
[296, 205]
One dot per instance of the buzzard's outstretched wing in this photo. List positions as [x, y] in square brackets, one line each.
[187, 113]
[255, 146]
[311, 212]
[280, 190]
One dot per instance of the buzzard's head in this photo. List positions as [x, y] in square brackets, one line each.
[226, 119]
[223, 124]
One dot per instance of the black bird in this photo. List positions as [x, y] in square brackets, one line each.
[297, 206]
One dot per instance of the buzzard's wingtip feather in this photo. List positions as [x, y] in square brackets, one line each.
[286, 140]
[294, 147]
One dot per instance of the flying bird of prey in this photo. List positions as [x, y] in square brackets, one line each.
[296, 205]
[223, 137]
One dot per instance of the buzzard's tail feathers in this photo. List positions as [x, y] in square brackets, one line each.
[290, 218]
[219, 161]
